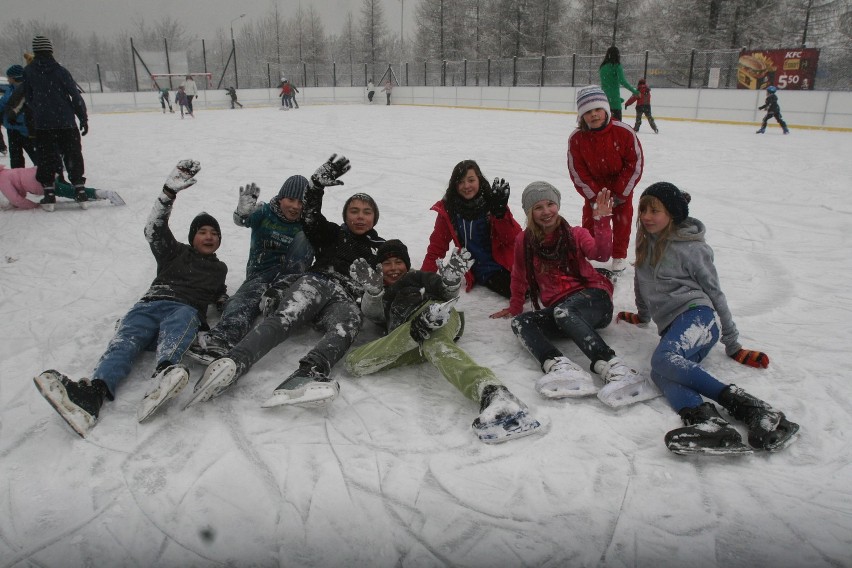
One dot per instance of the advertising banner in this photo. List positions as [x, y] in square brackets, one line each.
[784, 68]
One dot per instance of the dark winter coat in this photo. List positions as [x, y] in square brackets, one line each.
[771, 105]
[335, 246]
[52, 95]
[183, 274]
[181, 98]
[409, 293]
[271, 236]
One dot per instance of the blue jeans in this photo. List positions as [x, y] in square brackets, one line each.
[576, 317]
[243, 307]
[674, 365]
[166, 325]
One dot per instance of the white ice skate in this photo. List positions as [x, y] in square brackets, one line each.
[170, 382]
[220, 374]
[623, 385]
[565, 379]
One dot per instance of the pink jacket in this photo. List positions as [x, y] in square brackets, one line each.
[16, 183]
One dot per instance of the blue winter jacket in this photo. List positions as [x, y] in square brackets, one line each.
[19, 124]
[52, 95]
[270, 239]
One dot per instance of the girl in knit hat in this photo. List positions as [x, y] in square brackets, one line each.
[677, 286]
[552, 264]
[605, 154]
[475, 215]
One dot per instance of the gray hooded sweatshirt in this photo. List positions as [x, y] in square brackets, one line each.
[683, 279]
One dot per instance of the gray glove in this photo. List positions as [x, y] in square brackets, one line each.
[369, 278]
[434, 317]
[182, 177]
[326, 175]
[456, 267]
[248, 199]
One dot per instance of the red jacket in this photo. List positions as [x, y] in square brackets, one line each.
[554, 285]
[503, 233]
[643, 99]
[608, 158]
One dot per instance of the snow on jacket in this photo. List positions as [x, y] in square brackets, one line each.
[183, 274]
[271, 236]
[52, 95]
[397, 302]
[190, 87]
[16, 183]
[642, 99]
[335, 246]
[18, 123]
[607, 158]
[554, 285]
[684, 278]
[612, 77]
[503, 233]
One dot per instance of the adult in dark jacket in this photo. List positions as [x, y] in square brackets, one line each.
[55, 101]
[189, 278]
[325, 296]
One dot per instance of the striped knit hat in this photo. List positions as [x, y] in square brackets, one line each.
[41, 43]
[590, 98]
[294, 188]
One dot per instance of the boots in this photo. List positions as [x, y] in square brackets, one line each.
[48, 202]
[705, 432]
[78, 403]
[768, 429]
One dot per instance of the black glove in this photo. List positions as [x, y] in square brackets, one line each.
[84, 128]
[220, 302]
[326, 175]
[499, 198]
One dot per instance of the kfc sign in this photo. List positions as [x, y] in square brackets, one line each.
[786, 69]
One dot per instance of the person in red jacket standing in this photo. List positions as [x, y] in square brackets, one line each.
[643, 106]
[476, 216]
[605, 154]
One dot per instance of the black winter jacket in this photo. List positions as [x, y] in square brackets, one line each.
[52, 95]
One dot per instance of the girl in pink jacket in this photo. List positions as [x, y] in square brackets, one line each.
[16, 183]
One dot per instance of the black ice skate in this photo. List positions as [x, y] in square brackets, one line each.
[768, 429]
[308, 386]
[706, 432]
[77, 403]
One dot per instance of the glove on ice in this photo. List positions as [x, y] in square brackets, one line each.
[751, 358]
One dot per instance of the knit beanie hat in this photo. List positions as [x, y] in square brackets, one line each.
[203, 219]
[41, 43]
[674, 200]
[394, 248]
[294, 188]
[590, 98]
[15, 72]
[365, 198]
[536, 191]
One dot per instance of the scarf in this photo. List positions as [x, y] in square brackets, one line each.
[559, 253]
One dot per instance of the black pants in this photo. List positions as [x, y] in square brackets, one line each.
[646, 110]
[18, 144]
[52, 147]
[615, 114]
[501, 282]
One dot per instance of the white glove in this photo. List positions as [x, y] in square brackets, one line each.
[201, 339]
[456, 267]
[435, 316]
[248, 199]
[369, 278]
[182, 177]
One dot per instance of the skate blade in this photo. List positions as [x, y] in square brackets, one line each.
[49, 207]
[313, 395]
[216, 379]
[691, 450]
[513, 427]
[170, 385]
[568, 388]
[791, 429]
[51, 388]
[621, 393]
[83, 205]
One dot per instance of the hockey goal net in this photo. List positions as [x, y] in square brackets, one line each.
[173, 80]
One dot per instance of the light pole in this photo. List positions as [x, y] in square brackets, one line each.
[234, 51]
[401, 23]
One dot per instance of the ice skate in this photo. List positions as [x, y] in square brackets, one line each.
[307, 386]
[207, 351]
[761, 131]
[78, 403]
[80, 196]
[623, 385]
[768, 429]
[48, 202]
[220, 375]
[619, 265]
[705, 433]
[503, 417]
[169, 383]
[565, 379]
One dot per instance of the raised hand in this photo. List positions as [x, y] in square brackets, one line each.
[182, 176]
[603, 204]
[370, 278]
[751, 358]
[326, 175]
[456, 267]
[499, 197]
[248, 199]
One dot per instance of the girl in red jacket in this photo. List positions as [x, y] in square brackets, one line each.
[605, 154]
[475, 216]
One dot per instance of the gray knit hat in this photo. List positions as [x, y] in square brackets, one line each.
[536, 191]
[294, 188]
[41, 43]
[590, 98]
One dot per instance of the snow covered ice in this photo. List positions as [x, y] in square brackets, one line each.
[390, 474]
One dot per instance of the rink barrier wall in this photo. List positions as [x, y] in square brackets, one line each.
[819, 109]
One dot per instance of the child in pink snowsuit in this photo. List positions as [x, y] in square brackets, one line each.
[16, 183]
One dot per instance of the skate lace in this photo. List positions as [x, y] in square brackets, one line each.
[564, 365]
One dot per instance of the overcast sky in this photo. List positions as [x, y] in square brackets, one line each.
[201, 17]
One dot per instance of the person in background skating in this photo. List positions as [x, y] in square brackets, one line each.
[232, 92]
[287, 94]
[54, 99]
[643, 106]
[773, 110]
[388, 88]
[191, 90]
[189, 278]
[552, 264]
[371, 90]
[415, 308]
[182, 100]
[480, 213]
[278, 248]
[325, 296]
[612, 79]
[16, 122]
[676, 285]
[605, 154]
[165, 100]
[17, 183]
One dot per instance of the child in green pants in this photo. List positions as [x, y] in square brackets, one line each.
[417, 309]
